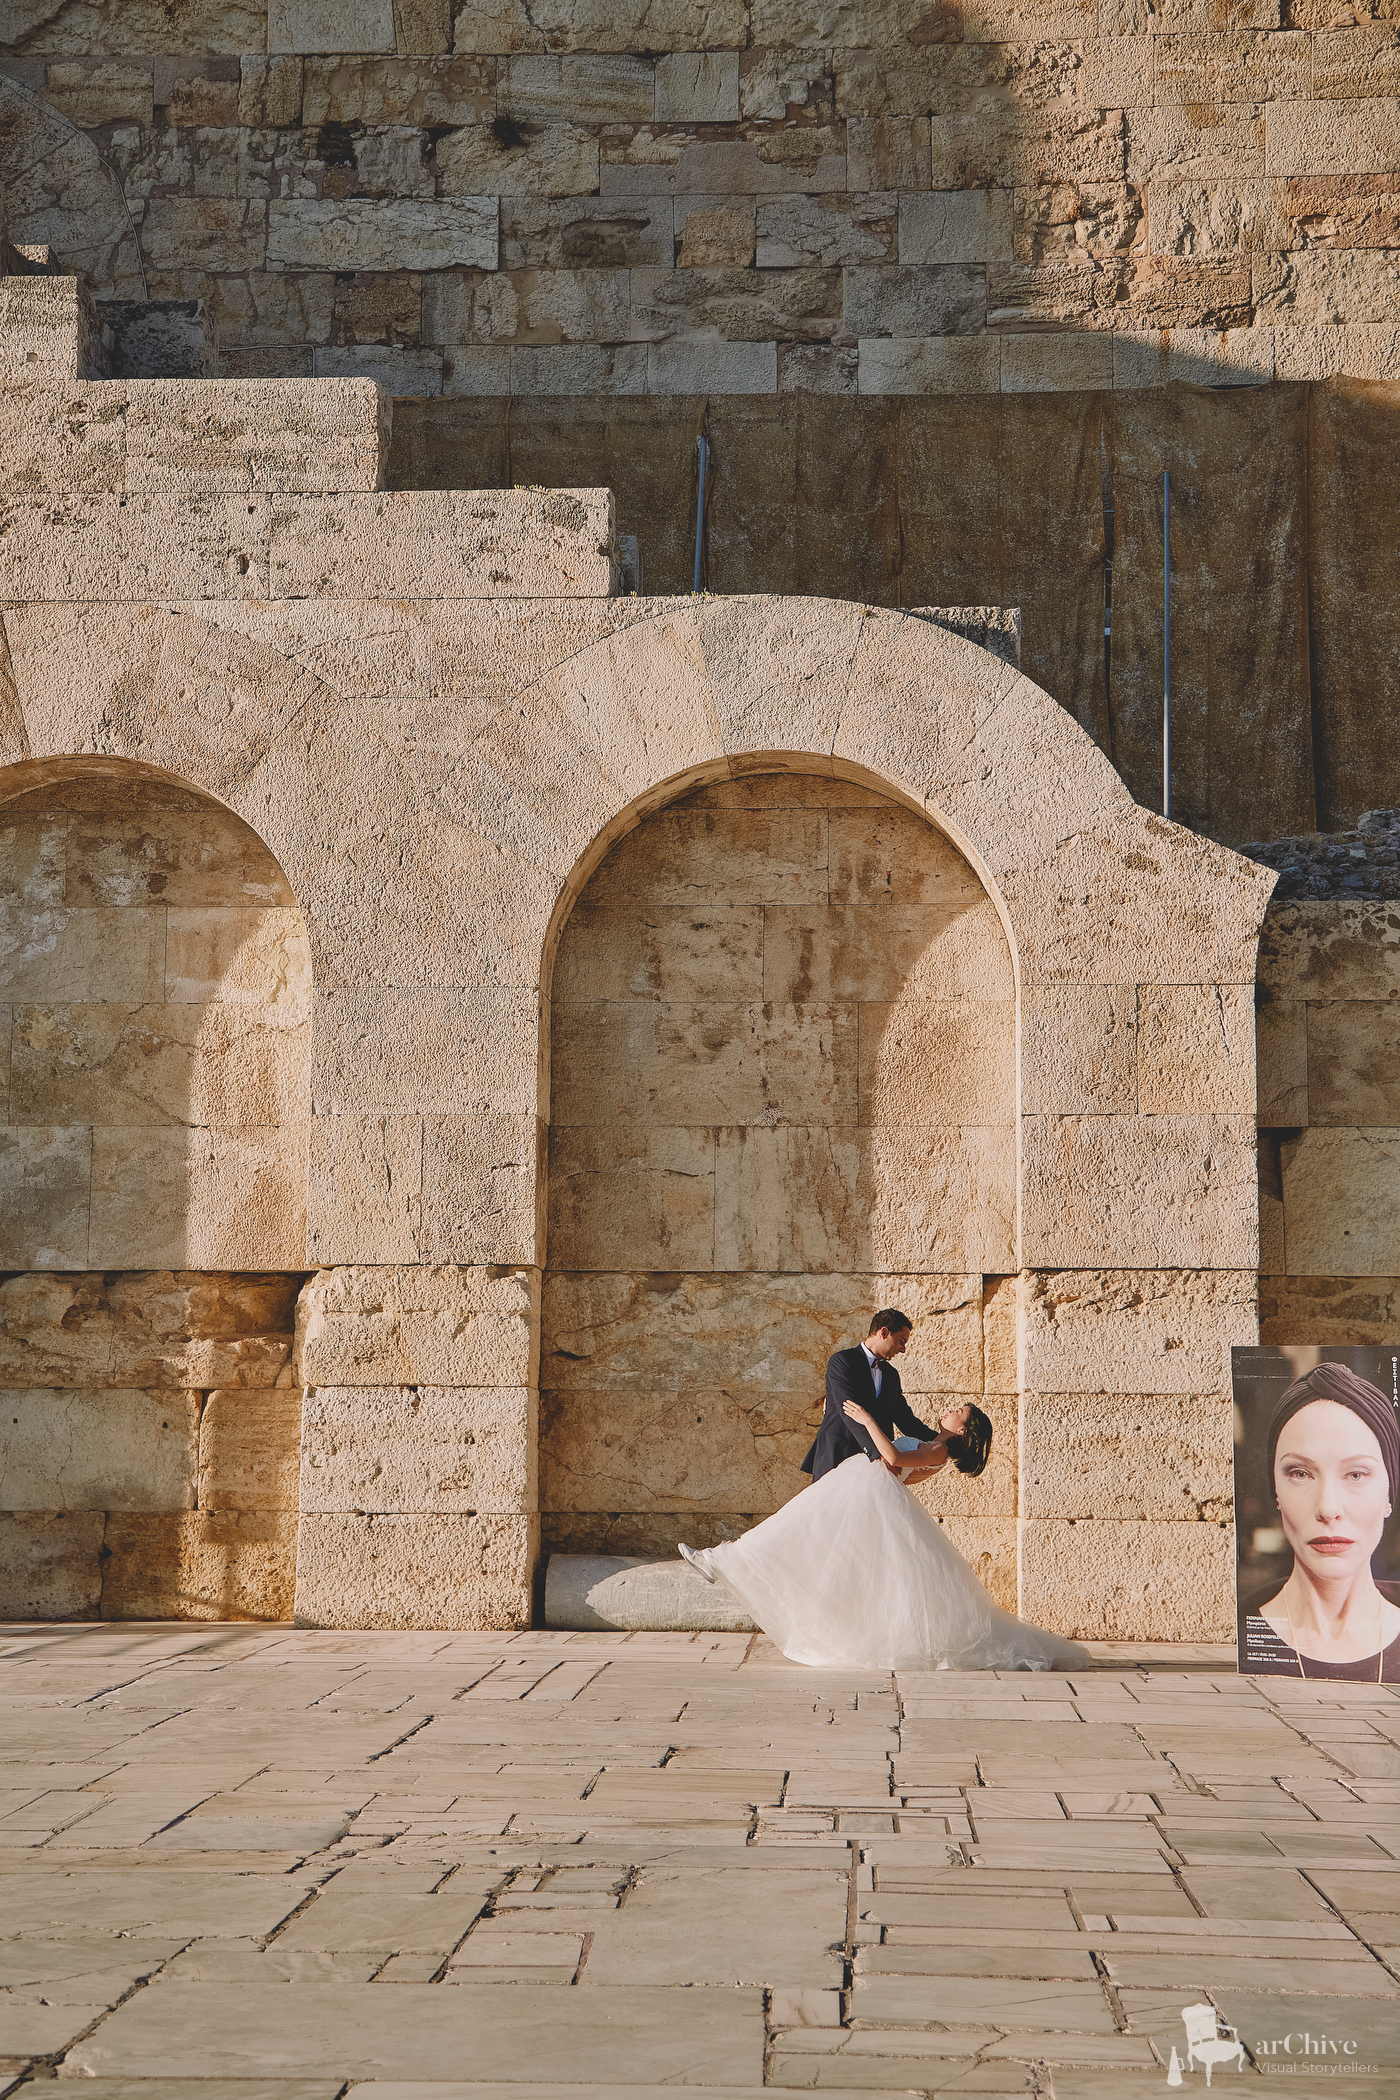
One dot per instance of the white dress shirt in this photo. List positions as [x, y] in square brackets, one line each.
[876, 1367]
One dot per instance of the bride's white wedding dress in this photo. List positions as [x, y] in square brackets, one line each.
[854, 1573]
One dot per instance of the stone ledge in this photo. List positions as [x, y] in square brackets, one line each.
[618, 1594]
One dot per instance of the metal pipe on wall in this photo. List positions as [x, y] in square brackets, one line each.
[702, 447]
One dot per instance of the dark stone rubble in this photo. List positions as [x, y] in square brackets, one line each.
[1360, 863]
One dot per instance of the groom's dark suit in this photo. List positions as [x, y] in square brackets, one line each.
[849, 1377]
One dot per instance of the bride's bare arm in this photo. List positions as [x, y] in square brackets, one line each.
[877, 1435]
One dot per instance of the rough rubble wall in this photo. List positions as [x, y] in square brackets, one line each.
[782, 1094]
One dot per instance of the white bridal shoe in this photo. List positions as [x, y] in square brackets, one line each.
[689, 1553]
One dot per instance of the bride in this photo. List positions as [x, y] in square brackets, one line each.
[854, 1573]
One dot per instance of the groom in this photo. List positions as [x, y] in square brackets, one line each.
[865, 1374]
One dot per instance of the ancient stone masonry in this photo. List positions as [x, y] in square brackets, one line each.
[542, 987]
[749, 197]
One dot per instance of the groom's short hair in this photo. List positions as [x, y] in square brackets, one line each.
[892, 1318]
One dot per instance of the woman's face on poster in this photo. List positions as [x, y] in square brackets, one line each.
[1333, 1494]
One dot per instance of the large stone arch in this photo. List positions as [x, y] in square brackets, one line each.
[437, 847]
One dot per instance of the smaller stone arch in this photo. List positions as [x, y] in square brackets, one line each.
[156, 982]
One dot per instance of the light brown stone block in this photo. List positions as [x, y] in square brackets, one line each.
[644, 1200]
[444, 543]
[104, 1063]
[937, 1062]
[193, 857]
[450, 1451]
[1103, 1581]
[75, 1450]
[221, 1199]
[711, 857]
[55, 954]
[659, 1334]
[381, 233]
[1333, 137]
[50, 1565]
[696, 1449]
[244, 958]
[207, 1564]
[668, 952]
[156, 1330]
[1343, 1311]
[988, 1545]
[1170, 1191]
[1332, 950]
[941, 1201]
[427, 1051]
[249, 1449]
[666, 1065]
[365, 1186]
[411, 1571]
[151, 547]
[1281, 1059]
[896, 856]
[1353, 1073]
[1195, 1046]
[550, 160]
[1135, 1331]
[1079, 1049]
[1341, 1201]
[1001, 1334]
[284, 435]
[419, 1326]
[483, 1190]
[992, 1493]
[45, 1198]
[643, 1534]
[1126, 1457]
[838, 952]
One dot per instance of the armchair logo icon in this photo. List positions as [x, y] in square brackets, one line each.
[1209, 2041]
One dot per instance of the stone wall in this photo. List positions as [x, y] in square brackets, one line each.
[782, 1094]
[753, 197]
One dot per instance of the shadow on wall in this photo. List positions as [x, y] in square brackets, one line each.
[782, 1094]
[156, 979]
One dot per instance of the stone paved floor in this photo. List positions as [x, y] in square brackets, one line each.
[256, 1864]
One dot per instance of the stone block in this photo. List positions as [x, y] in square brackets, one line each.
[696, 857]
[955, 226]
[719, 238]
[101, 1063]
[74, 1450]
[773, 160]
[53, 954]
[1322, 1311]
[664, 1334]
[365, 1187]
[580, 369]
[1001, 1334]
[811, 368]
[536, 306]
[1195, 1049]
[911, 300]
[574, 90]
[654, 1065]
[1002, 149]
[161, 338]
[888, 153]
[1168, 1191]
[694, 87]
[827, 954]
[632, 1200]
[1218, 217]
[601, 25]
[192, 858]
[1281, 1055]
[366, 233]
[937, 1062]
[638, 1535]
[549, 160]
[330, 25]
[1135, 1331]
[939, 1201]
[436, 543]
[1352, 1075]
[226, 233]
[270, 94]
[45, 1198]
[825, 232]
[587, 1593]
[162, 1330]
[1331, 950]
[410, 91]
[453, 1451]
[1152, 1581]
[670, 951]
[249, 1449]
[1363, 352]
[1126, 1458]
[483, 1190]
[56, 437]
[1078, 1050]
[931, 365]
[988, 1545]
[700, 1449]
[422, 1051]
[712, 368]
[48, 330]
[50, 1564]
[1034, 364]
[1232, 65]
[1356, 61]
[405, 1572]
[282, 435]
[593, 233]
[419, 1326]
[1341, 1201]
[219, 1199]
[1203, 143]
[94, 92]
[1323, 286]
[1333, 137]
[105, 548]
[205, 1564]
[476, 374]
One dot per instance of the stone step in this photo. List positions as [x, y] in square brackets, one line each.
[617, 1593]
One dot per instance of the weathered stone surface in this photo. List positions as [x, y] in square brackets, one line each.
[988, 1545]
[221, 1199]
[628, 1201]
[1195, 1048]
[1134, 1331]
[419, 1326]
[825, 231]
[1341, 1201]
[937, 1062]
[1346, 1311]
[74, 1450]
[1001, 1334]
[47, 328]
[45, 1198]
[1126, 1457]
[161, 1330]
[1079, 1049]
[953, 950]
[1352, 1074]
[699, 1449]
[205, 1564]
[49, 1564]
[1170, 1191]
[954, 226]
[1281, 1052]
[412, 1571]
[664, 1334]
[249, 1449]
[586, 232]
[930, 365]
[903, 300]
[1106, 1581]
[201, 1063]
[363, 233]
[423, 1449]
[1333, 950]
[617, 1594]
[663, 1064]
[518, 543]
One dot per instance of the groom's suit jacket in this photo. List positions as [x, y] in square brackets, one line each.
[848, 1377]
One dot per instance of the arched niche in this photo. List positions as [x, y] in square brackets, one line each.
[782, 1094]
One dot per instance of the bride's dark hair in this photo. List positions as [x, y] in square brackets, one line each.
[972, 1447]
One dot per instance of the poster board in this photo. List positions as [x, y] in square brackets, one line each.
[1317, 1534]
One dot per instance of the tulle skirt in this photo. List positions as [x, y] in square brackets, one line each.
[854, 1573]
